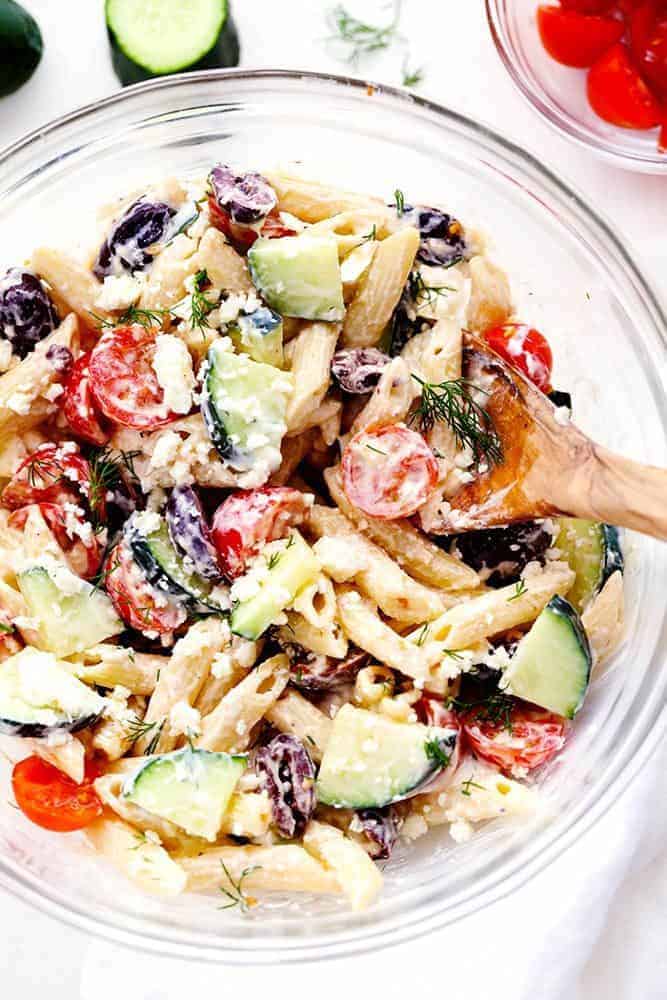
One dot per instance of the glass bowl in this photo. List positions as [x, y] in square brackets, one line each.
[559, 92]
[572, 277]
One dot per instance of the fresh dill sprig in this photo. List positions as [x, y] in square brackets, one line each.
[142, 317]
[452, 403]
[359, 38]
[235, 893]
[107, 469]
[44, 470]
[520, 588]
[369, 236]
[6, 629]
[378, 451]
[453, 654]
[412, 77]
[135, 729]
[421, 637]
[496, 709]
[200, 306]
[467, 785]
[273, 560]
[420, 292]
[434, 751]
[399, 201]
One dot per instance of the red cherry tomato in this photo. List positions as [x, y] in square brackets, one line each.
[662, 138]
[81, 547]
[433, 712]
[648, 35]
[243, 237]
[78, 405]
[524, 348]
[50, 474]
[248, 519]
[617, 93]
[140, 605]
[123, 382]
[588, 6]
[51, 799]
[576, 39]
[388, 472]
[534, 737]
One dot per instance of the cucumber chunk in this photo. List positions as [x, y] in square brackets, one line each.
[552, 664]
[39, 696]
[20, 46]
[189, 787]
[371, 761]
[244, 404]
[70, 614]
[260, 335]
[299, 276]
[278, 574]
[152, 37]
[593, 551]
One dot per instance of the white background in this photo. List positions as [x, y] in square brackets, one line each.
[595, 928]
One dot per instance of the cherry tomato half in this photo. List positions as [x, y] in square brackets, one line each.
[51, 799]
[648, 34]
[524, 348]
[575, 39]
[69, 528]
[532, 737]
[588, 6]
[248, 519]
[140, 605]
[388, 472]
[50, 474]
[123, 381]
[617, 93]
[78, 405]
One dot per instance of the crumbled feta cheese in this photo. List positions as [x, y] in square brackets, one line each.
[173, 366]
[119, 292]
[5, 355]
[183, 718]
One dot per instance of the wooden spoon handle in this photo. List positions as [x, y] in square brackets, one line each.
[608, 487]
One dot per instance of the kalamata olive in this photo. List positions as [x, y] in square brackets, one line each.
[501, 554]
[288, 775]
[60, 357]
[358, 369]
[442, 241]
[189, 531]
[27, 314]
[312, 672]
[247, 198]
[142, 225]
[381, 828]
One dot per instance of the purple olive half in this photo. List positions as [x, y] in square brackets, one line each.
[358, 369]
[381, 828]
[142, 225]
[189, 531]
[312, 672]
[27, 314]
[442, 241]
[288, 775]
[247, 198]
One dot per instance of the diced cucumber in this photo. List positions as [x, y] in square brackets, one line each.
[552, 663]
[163, 567]
[189, 787]
[244, 405]
[39, 696]
[276, 577]
[593, 551]
[371, 760]
[20, 46]
[260, 335]
[70, 614]
[152, 37]
[299, 276]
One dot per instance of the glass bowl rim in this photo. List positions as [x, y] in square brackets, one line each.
[279, 949]
[561, 121]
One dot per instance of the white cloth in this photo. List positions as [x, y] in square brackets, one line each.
[593, 925]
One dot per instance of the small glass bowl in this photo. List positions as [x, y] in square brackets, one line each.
[559, 92]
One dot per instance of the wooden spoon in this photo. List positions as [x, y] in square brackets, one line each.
[549, 466]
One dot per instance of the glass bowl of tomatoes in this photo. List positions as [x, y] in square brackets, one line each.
[603, 340]
[594, 69]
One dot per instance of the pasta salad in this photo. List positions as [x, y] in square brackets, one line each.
[244, 647]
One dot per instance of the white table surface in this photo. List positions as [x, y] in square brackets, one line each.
[462, 70]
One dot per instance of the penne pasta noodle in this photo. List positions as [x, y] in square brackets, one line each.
[312, 201]
[296, 715]
[108, 666]
[229, 725]
[311, 353]
[226, 269]
[144, 862]
[283, 868]
[359, 878]
[74, 288]
[603, 619]
[391, 400]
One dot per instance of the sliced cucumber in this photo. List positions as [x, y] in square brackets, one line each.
[552, 664]
[70, 614]
[299, 276]
[244, 405]
[275, 579]
[39, 696]
[152, 37]
[20, 46]
[190, 788]
[371, 760]
[593, 551]
[163, 567]
[260, 335]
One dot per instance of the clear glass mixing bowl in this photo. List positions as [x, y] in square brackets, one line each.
[573, 278]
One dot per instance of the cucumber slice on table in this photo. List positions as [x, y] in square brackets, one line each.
[299, 276]
[20, 46]
[371, 760]
[154, 37]
[593, 551]
[189, 787]
[39, 696]
[70, 614]
[552, 664]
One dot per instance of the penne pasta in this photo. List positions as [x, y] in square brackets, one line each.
[229, 725]
[296, 715]
[359, 878]
[283, 868]
[311, 353]
[226, 269]
[144, 862]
